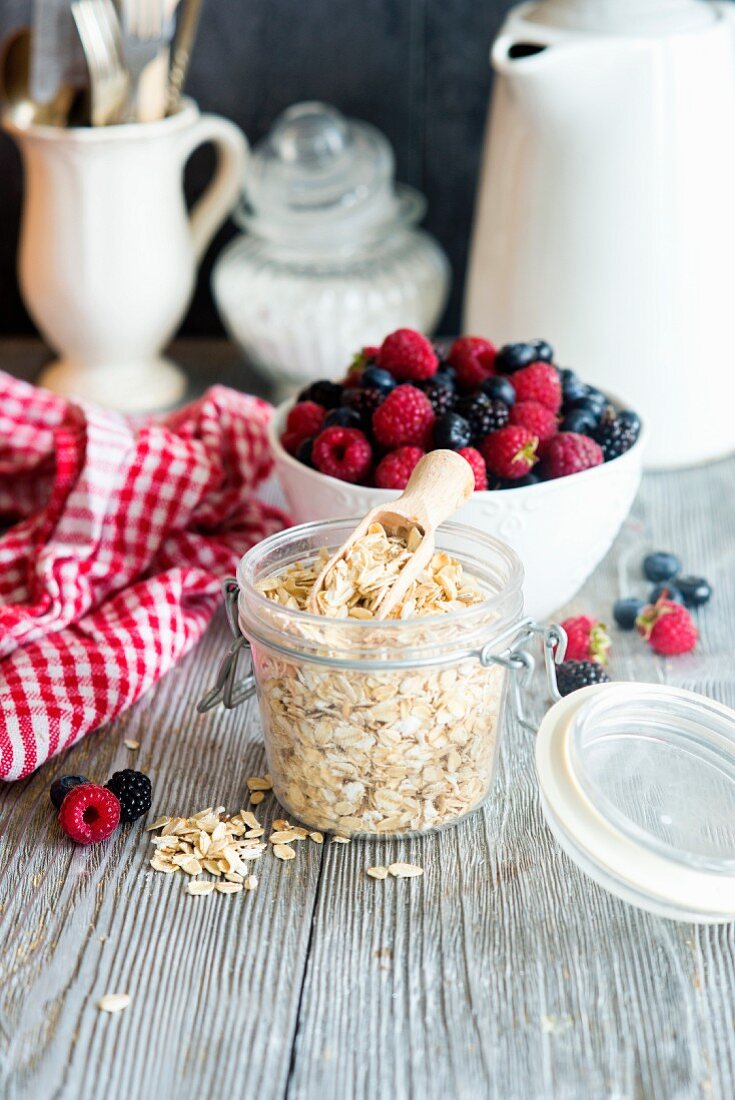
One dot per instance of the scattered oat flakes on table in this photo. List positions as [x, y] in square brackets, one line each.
[132, 745]
[113, 1002]
[377, 872]
[405, 870]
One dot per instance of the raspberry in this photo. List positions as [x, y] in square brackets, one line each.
[133, 790]
[569, 453]
[89, 813]
[510, 452]
[667, 627]
[473, 358]
[395, 469]
[572, 675]
[536, 417]
[408, 355]
[484, 414]
[538, 382]
[587, 640]
[405, 418]
[343, 453]
[477, 462]
[303, 421]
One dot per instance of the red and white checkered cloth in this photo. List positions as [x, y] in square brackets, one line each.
[120, 538]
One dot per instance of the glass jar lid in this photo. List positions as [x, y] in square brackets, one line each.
[638, 786]
[319, 178]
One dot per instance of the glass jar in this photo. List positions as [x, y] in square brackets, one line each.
[379, 728]
[332, 259]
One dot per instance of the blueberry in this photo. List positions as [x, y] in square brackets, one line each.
[499, 483]
[303, 452]
[578, 420]
[696, 591]
[544, 350]
[573, 390]
[343, 418]
[499, 388]
[626, 610]
[668, 590]
[377, 378]
[513, 357]
[452, 431]
[61, 787]
[447, 375]
[661, 566]
[567, 375]
[590, 405]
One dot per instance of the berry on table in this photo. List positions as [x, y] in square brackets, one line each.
[324, 393]
[473, 359]
[344, 453]
[452, 432]
[696, 591]
[484, 414]
[536, 417]
[668, 628]
[569, 453]
[538, 382]
[626, 610]
[661, 566]
[510, 452]
[615, 436]
[500, 388]
[133, 791]
[89, 813]
[408, 355]
[573, 675]
[393, 471]
[587, 639]
[61, 787]
[668, 590]
[513, 357]
[405, 418]
[375, 378]
[477, 462]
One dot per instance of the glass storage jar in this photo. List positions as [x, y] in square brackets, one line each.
[379, 728]
[332, 259]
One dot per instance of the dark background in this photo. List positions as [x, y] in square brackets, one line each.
[417, 69]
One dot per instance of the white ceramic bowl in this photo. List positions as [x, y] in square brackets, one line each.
[560, 529]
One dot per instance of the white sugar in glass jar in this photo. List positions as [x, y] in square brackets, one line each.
[331, 258]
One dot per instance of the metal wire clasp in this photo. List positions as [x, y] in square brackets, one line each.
[521, 662]
[227, 688]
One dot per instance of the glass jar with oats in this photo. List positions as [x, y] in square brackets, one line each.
[373, 727]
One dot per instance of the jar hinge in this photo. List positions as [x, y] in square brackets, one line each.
[520, 661]
[227, 688]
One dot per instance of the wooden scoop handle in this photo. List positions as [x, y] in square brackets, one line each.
[438, 487]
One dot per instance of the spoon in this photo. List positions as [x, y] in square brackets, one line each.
[17, 103]
[439, 485]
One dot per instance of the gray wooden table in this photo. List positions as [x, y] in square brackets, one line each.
[501, 973]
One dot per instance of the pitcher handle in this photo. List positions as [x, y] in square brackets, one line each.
[210, 211]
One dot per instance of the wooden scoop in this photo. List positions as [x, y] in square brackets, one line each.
[439, 485]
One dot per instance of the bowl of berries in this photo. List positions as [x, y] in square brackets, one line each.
[557, 463]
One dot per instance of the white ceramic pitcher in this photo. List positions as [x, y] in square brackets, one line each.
[108, 252]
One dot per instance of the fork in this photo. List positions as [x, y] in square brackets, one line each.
[147, 28]
[99, 31]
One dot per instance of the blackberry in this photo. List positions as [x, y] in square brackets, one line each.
[303, 452]
[133, 791]
[452, 431]
[61, 787]
[326, 394]
[484, 414]
[364, 402]
[343, 418]
[615, 436]
[442, 397]
[513, 357]
[572, 675]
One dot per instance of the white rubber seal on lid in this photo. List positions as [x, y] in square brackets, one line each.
[638, 786]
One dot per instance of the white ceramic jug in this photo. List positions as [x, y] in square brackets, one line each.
[605, 218]
[108, 253]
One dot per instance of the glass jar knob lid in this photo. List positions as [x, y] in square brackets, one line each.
[637, 784]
